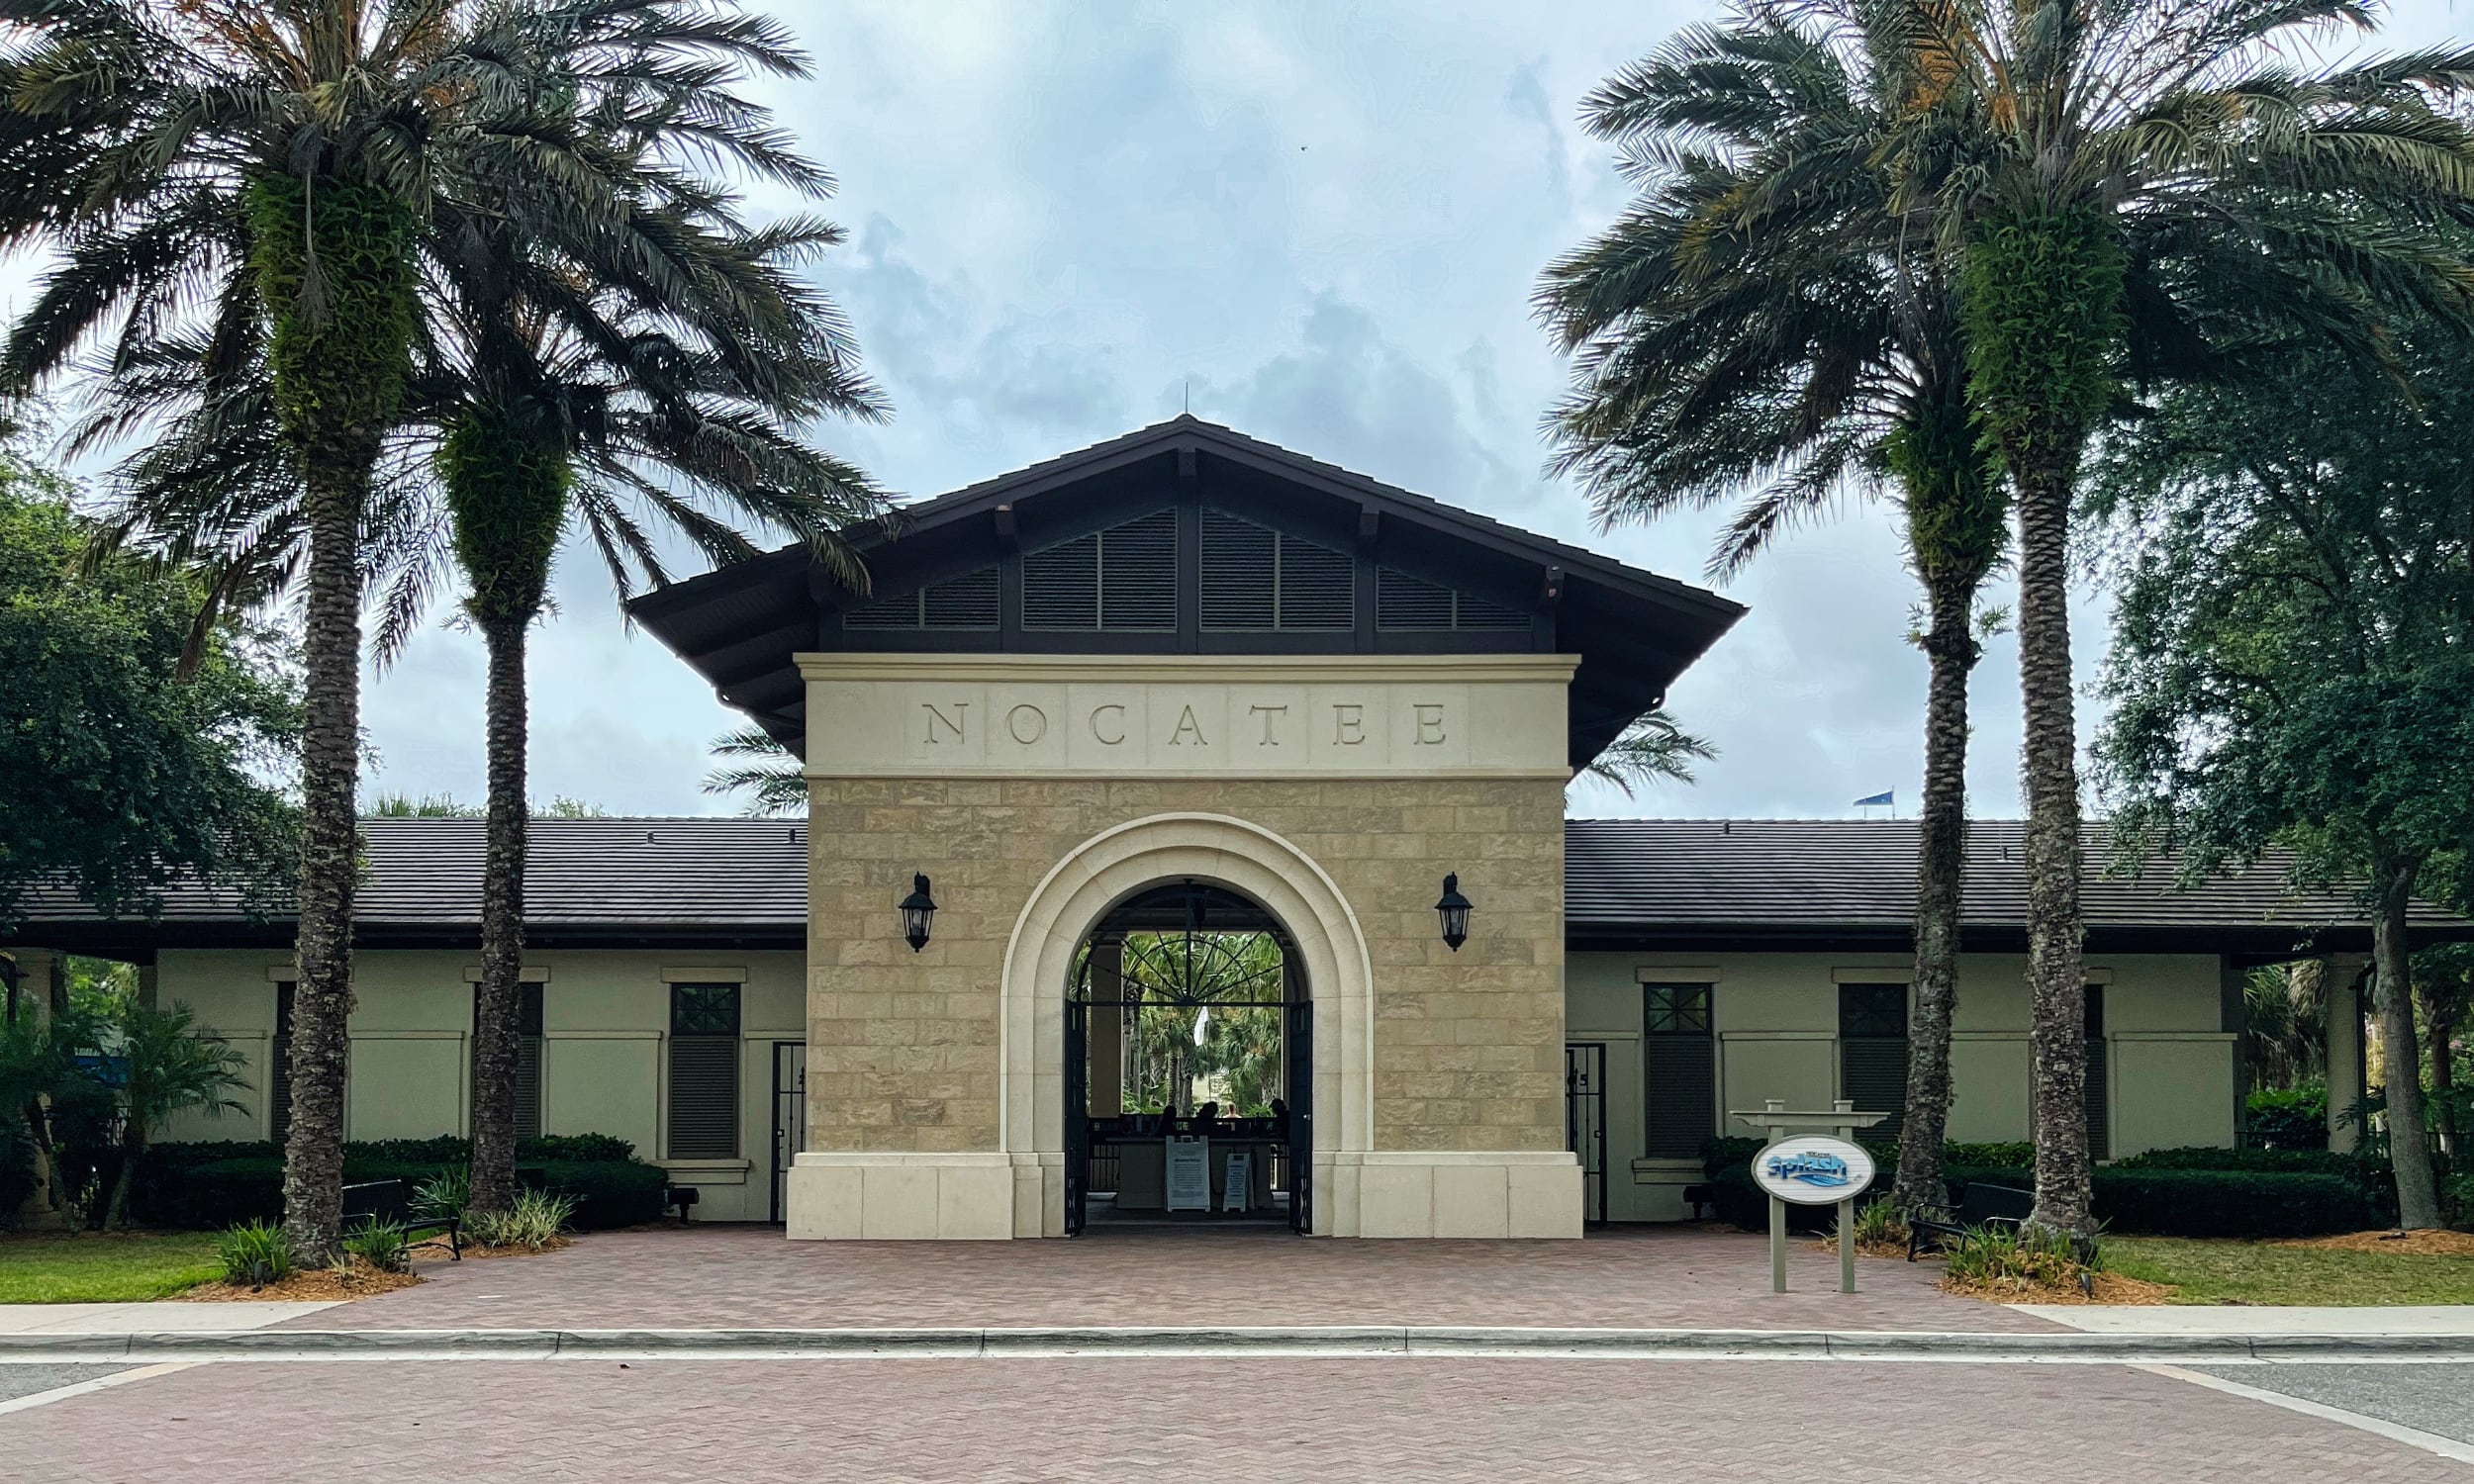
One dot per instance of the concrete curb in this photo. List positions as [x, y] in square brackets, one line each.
[2067, 1347]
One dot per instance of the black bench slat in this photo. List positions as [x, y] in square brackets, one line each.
[1980, 1206]
[376, 1201]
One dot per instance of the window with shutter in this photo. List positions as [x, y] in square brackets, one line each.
[279, 1069]
[1122, 578]
[1679, 1068]
[2099, 1128]
[1256, 580]
[1406, 602]
[528, 1056]
[967, 602]
[1873, 1051]
[704, 1071]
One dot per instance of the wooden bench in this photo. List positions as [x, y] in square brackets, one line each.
[378, 1201]
[1980, 1207]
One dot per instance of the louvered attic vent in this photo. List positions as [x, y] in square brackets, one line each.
[967, 602]
[1256, 580]
[1403, 602]
[1123, 578]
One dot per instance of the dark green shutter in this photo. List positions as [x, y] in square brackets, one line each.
[1680, 1066]
[704, 1071]
[1872, 1053]
[2099, 1130]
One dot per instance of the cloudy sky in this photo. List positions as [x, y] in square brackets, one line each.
[1320, 223]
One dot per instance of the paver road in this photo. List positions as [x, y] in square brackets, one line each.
[719, 1276]
[1118, 1419]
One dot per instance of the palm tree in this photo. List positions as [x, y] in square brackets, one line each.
[242, 194]
[1767, 313]
[169, 1067]
[628, 385]
[1653, 748]
[573, 391]
[760, 767]
[2126, 185]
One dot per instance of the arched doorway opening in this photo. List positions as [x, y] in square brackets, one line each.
[1189, 1065]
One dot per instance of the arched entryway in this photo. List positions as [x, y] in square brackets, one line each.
[1322, 939]
[1189, 1065]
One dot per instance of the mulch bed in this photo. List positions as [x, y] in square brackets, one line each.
[309, 1285]
[2110, 1288]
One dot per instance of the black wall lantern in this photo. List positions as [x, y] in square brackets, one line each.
[1454, 911]
[917, 911]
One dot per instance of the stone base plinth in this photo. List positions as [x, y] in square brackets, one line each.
[1452, 1193]
[894, 1197]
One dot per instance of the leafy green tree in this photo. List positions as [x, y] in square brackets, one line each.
[40, 1047]
[2131, 188]
[2294, 648]
[118, 776]
[1768, 313]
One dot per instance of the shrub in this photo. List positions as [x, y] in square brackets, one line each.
[445, 1195]
[2312, 1160]
[254, 1252]
[2229, 1202]
[2000, 1258]
[575, 1148]
[17, 1166]
[610, 1193]
[383, 1245]
[2289, 1118]
[2020, 1154]
[1880, 1223]
[531, 1224]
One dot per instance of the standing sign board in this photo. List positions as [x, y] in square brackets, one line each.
[1813, 1169]
[1238, 1182]
[1189, 1175]
[1802, 1165]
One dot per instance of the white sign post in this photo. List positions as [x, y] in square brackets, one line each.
[1802, 1164]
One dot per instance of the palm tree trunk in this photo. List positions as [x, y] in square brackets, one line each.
[1941, 867]
[496, 1027]
[2401, 1065]
[2056, 985]
[313, 1181]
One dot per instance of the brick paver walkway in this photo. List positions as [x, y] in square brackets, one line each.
[987, 1422]
[718, 1277]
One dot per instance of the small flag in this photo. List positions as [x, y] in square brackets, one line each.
[1879, 798]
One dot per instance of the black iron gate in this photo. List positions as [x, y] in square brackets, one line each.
[1584, 1121]
[1187, 951]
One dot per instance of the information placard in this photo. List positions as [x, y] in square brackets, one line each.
[1189, 1175]
[1238, 1182]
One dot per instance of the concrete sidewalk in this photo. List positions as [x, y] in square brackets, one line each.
[166, 1318]
[2243, 1319]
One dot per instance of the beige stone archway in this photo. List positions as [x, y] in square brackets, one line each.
[1114, 865]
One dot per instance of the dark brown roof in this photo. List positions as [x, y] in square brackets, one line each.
[586, 882]
[1634, 631]
[1839, 881]
[1628, 883]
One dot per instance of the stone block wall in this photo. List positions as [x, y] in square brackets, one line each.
[904, 1048]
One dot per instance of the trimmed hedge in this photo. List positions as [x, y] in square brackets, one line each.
[2187, 1192]
[244, 1181]
[2173, 1202]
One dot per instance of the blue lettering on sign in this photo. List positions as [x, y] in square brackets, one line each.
[1826, 1171]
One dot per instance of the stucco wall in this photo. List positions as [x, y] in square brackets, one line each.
[2171, 1063]
[606, 1021]
[904, 1048]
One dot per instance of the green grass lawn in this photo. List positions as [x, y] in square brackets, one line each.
[104, 1270]
[2257, 1272]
